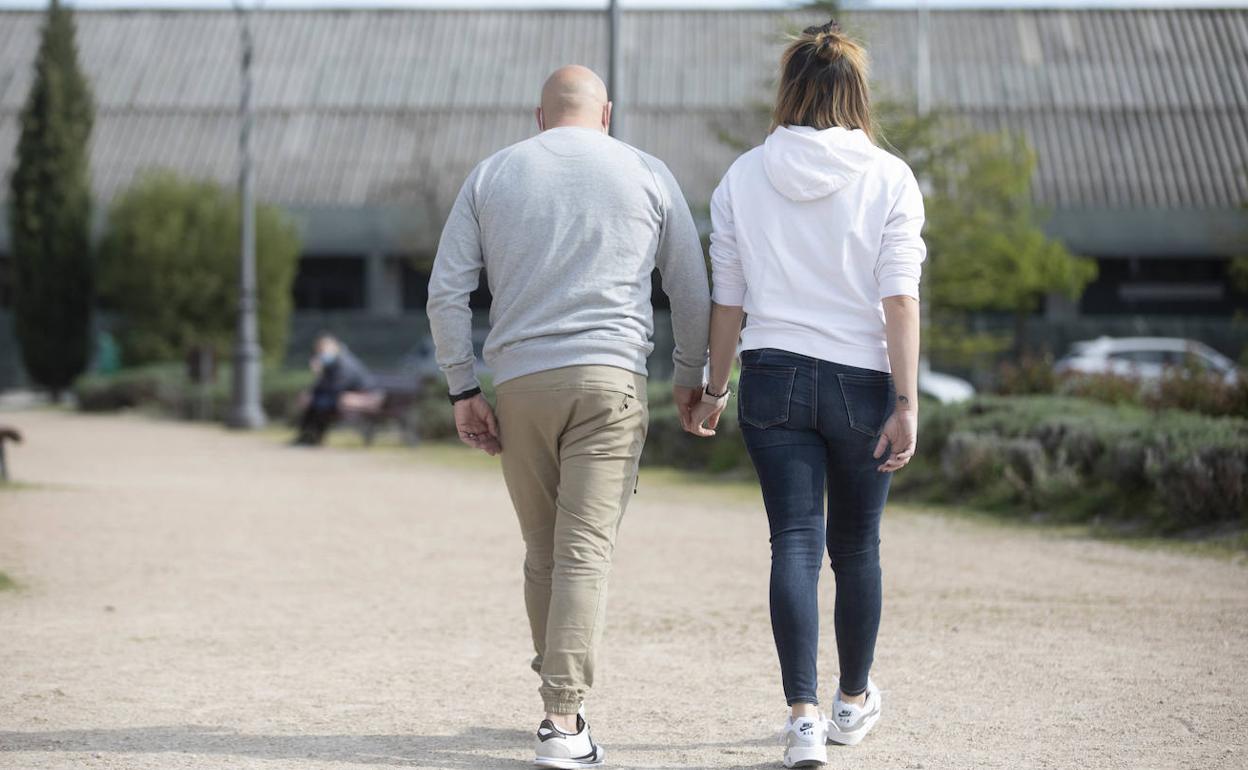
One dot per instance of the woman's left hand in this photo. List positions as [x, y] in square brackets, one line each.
[704, 418]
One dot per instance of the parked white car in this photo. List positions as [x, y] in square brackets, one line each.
[1144, 358]
[945, 388]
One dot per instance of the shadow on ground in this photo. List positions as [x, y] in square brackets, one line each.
[479, 748]
[451, 751]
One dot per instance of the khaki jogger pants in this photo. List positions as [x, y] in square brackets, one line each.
[572, 440]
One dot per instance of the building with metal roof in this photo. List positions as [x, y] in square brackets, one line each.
[368, 120]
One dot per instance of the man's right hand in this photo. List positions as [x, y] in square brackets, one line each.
[685, 398]
[476, 424]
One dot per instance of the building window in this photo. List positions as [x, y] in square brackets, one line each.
[1174, 286]
[415, 284]
[416, 287]
[330, 283]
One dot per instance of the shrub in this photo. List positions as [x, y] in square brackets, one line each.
[50, 212]
[1029, 376]
[166, 389]
[1076, 459]
[1106, 388]
[1179, 388]
[1198, 391]
[169, 268]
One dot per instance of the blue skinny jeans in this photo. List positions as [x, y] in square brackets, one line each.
[808, 424]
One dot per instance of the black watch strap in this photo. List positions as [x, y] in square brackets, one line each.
[707, 391]
[466, 394]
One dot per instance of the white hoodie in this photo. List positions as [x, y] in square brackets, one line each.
[810, 232]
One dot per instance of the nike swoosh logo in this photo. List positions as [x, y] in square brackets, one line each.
[860, 721]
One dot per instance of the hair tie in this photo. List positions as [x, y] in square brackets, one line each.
[831, 28]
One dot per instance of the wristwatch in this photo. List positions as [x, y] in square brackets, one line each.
[710, 398]
[466, 394]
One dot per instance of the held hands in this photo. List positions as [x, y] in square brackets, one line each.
[899, 437]
[696, 416]
[685, 398]
[705, 418]
[476, 424]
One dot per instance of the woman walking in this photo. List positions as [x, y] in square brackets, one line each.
[817, 240]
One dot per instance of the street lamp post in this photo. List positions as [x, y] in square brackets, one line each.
[613, 63]
[246, 410]
[923, 57]
[923, 106]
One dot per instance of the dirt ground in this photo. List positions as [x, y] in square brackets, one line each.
[192, 598]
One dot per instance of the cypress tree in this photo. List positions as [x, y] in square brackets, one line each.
[50, 213]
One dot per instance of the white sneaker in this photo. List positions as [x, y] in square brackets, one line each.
[805, 742]
[849, 722]
[565, 751]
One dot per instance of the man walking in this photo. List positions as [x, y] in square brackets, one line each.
[568, 226]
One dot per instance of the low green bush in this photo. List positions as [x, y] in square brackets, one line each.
[1076, 459]
[1029, 375]
[1198, 391]
[1185, 388]
[168, 390]
[1060, 457]
[168, 268]
[1104, 387]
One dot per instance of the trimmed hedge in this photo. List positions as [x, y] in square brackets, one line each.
[1078, 460]
[1059, 457]
[1186, 388]
[166, 389]
[1063, 458]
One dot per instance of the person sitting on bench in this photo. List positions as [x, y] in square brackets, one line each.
[339, 373]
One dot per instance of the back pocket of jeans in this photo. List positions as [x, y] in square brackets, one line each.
[765, 392]
[868, 400]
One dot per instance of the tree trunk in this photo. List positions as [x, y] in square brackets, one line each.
[1021, 346]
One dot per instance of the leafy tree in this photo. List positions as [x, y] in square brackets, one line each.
[1239, 265]
[50, 213]
[169, 268]
[988, 251]
[1239, 273]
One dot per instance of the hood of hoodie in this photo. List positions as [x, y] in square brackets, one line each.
[805, 164]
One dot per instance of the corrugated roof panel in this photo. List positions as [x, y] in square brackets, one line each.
[1124, 108]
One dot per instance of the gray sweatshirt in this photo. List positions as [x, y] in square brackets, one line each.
[568, 226]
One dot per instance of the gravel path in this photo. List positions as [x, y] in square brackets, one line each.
[196, 599]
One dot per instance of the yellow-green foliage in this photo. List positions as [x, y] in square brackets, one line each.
[169, 269]
[987, 250]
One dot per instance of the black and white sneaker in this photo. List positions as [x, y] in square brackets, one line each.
[566, 751]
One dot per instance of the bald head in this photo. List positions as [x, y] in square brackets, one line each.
[574, 96]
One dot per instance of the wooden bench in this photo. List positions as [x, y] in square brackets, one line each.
[7, 434]
[370, 412]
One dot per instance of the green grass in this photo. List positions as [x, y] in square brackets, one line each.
[20, 486]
